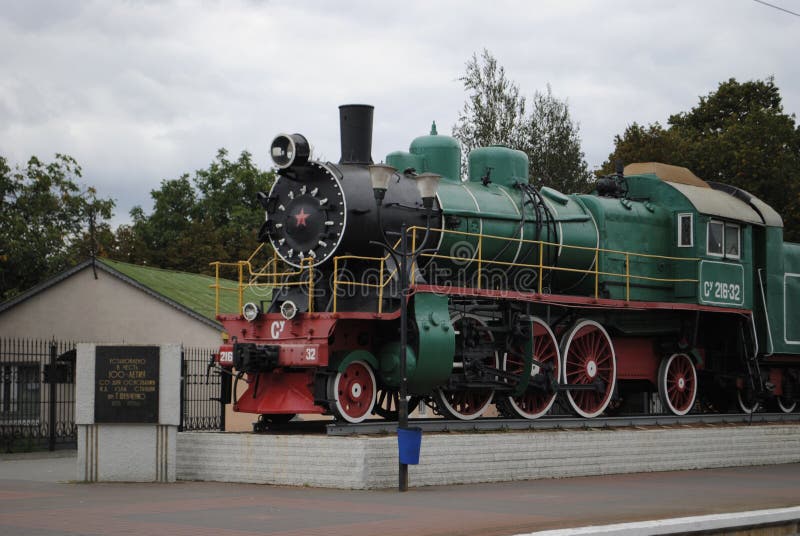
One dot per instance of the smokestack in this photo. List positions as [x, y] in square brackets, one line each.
[355, 127]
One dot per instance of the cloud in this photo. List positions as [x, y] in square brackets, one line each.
[144, 91]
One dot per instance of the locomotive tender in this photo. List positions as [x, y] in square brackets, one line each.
[657, 281]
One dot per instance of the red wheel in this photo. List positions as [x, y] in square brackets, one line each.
[538, 398]
[464, 404]
[387, 404]
[677, 383]
[468, 403]
[589, 359]
[353, 392]
[747, 401]
[785, 402]
[786, 405]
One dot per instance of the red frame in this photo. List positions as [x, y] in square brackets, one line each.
[305, 344]
[636, 359]
[289, 392]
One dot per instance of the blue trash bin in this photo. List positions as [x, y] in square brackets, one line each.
[409, 442]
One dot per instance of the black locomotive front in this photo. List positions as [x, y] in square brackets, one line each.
[318, 210]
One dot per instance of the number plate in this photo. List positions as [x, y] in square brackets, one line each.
[721, 283]
[300, 354]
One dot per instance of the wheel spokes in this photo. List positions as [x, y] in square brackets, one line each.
[677, 383]
[539, 396]
[469, 403]
[589, 360]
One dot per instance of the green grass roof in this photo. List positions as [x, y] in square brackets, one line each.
[193, 291]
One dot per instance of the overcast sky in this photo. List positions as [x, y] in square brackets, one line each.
[139, 92]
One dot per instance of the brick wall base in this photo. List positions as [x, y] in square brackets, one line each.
[461, 458]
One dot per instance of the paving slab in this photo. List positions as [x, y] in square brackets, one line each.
[37, 498]
[58, 466]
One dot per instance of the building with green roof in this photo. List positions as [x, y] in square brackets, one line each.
[109, 301]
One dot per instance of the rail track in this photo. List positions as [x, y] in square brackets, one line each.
[381, 426]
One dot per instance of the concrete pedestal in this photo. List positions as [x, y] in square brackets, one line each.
[369, 462]
[131, 452]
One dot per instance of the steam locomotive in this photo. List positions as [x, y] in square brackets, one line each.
[516, 295]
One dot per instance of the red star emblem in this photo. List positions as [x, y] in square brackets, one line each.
[301, 217]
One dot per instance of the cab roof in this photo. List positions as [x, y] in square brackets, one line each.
[711, 198]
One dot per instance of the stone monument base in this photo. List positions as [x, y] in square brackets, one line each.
[364, 462]
[127, 412]
[126, 453]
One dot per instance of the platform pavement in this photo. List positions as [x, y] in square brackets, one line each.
[37, 497]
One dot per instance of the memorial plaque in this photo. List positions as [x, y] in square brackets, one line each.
[126, 384]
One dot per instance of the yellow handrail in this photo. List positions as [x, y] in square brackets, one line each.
[380, 285]
[310, 285]
[627, 277]
[541, 266]
[596, 273]
[480, 258]
[273, 277]
[556, 244]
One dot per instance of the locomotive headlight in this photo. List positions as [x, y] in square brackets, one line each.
[288, 309]
[289, 149]
[380, 175]
[427, 184]
[250, 311]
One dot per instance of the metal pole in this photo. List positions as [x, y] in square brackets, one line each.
[183, 389]
[402, 406]
[53, 392]
[404, 254]
[223, 399]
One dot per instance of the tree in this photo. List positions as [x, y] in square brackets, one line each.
[227, 191]
[638, 143]
[739, 135]
[495, 113]
[45, 219]
[196, 220]
[553, 145]
[159, 236]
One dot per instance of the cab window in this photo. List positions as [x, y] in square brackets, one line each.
[733, 240]
[724, 239]
[685, 231]
[716, 236]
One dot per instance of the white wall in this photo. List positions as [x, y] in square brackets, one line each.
[106, 310]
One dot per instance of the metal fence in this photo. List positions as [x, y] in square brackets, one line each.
[37, 394]
[202, 392]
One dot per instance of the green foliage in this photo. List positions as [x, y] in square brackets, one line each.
[552, 143]
[652, 143]
[494, 110]
[211, 216]
[45, 219]
[495, 113]
[738, 135]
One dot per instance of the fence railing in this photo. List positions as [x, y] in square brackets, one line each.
[202, 405]
[37, 394]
